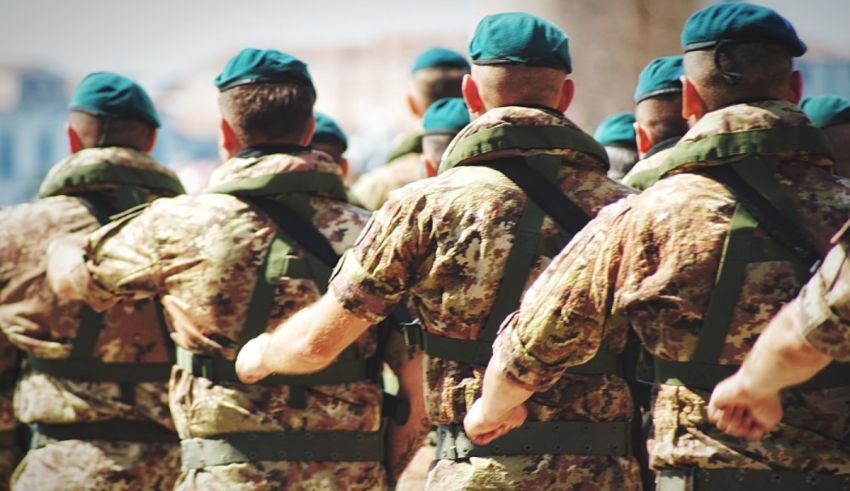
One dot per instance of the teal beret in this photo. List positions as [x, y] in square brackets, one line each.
[262, 66]
[827, 110]
[447, 116]
[328, 131]
[439, 58]
[110, 94]
[741, 22]
[519, 38]
[661, 76]
[617, 130]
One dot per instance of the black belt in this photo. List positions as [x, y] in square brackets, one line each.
[259, 446]
[755, 480]
[111, 430]
[539, 438]
[91, 370]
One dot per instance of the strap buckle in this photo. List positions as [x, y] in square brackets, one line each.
[412, 332]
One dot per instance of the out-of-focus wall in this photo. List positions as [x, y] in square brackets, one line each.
[610, 42]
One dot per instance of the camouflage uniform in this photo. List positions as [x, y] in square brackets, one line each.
[43, 325]
[821, 313]
[10, 445]
[650, 262]
[444, 242]
[204, 253]
[640, 176]
[405, 166]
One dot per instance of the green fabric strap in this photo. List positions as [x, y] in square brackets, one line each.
[277, 446]
[541, 438]
[769, 141]
[523, 138]
[730, 479]
[411, 144]
[113, 430]
[108, 173]
[316, 183]
[90, 370]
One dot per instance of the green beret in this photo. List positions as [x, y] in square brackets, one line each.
[519, 38]
[661, 76]
[617, 130]
[446, 116]
[741, 22]
[439, 58]
[328, 131]
[826, 110]
[110, 94]
[262, 66]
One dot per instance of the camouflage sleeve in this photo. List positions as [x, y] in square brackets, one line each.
[122, 261]
[561, 319]
[821, 313]
[373, 276]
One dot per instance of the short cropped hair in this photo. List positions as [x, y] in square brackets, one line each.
[621, 160]
[739, 72]
[434, 146]
[661, 117]
[268, 113]
[515, 84]
[100, 131]
[433, 84]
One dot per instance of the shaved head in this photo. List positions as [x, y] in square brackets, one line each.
[110, 132]
[765, 69]
[429, 85]
[839, 136]
[512, 85]
[661, 117]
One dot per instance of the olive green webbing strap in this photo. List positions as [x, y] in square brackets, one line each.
[541, 438]
[280, 262]
[741, 249]
[112, 174]
[729, 479]
[276, 446]
[80, 364]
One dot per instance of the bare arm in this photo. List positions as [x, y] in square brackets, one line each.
[306, 343]
[748, 404]
[403, 441]
[500, 408]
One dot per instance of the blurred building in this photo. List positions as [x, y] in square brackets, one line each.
[32, 113]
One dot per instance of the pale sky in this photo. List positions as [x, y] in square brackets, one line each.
[156, 41]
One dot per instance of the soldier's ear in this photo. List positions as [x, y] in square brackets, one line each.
[430, 167]
[472, 97]
[565, 98]
[644, 143]
[343, 166]
[795, 88]
[74, 141]
[307, 137]
[413, 106]
[228, 143]
[151, 141]
[693, 108]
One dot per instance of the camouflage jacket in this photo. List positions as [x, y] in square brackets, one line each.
[636, 177]
[373, 188]
[650, 262]
[43, 325]
[821, 313]
[204, 253]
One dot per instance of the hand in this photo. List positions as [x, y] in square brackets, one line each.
[737, 411]
[482, 430]
[250, 366]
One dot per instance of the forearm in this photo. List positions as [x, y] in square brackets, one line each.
[403, 441]
[312, 339]
[500, 394]
[780, 358]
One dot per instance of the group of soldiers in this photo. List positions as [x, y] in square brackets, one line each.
[556, 309]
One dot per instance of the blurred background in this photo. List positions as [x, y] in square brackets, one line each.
[359, 53]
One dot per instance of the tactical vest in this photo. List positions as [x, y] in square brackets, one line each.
[106, 190]
[291, 211]
[411, 144]
[537, 176]
[763, 203]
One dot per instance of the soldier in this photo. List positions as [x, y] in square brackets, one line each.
[806, 335]
[94, 392]
[658, 112]
[329, 138]
[831, 113]
[690, 268]
[436, 74]
[463, 245]
[617, 134]
[442, 121]
[244, 256]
